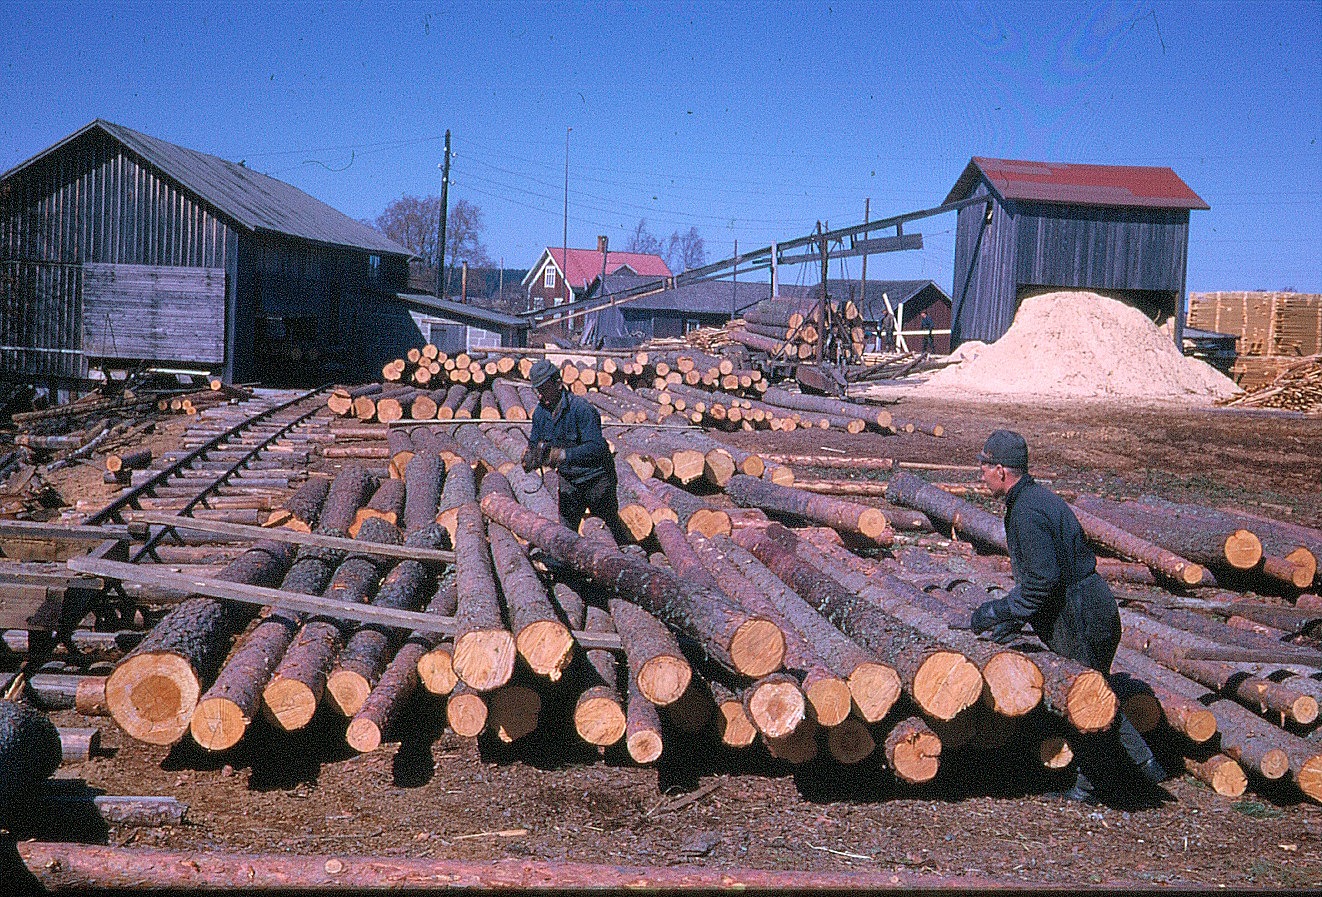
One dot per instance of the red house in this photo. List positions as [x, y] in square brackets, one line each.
[546, 280]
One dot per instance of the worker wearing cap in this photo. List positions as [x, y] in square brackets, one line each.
[566, 436]
[1058, 591]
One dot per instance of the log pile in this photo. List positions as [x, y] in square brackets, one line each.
[1297, 388]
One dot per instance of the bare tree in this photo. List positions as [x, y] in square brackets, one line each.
[463, 236]
[411, 222]
[643, 240]
[685, 251]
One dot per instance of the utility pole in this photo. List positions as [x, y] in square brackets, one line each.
[734, 293]
[775, 273]
[445, 211]
[863, 279]
[564, 240]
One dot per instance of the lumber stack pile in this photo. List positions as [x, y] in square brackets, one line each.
[1296, 387]
[795, 329]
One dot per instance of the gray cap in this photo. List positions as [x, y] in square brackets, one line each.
[542, 371]
[1006, 448]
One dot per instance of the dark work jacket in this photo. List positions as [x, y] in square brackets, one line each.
[1048, 553]
[575, 426]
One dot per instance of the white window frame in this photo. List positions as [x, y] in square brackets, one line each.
[548, 278]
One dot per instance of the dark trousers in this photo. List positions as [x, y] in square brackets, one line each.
[1087, 629]
[598, 496]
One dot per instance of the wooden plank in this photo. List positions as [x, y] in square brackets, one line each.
[279, 534]
[143, 574]
[164, 313]
[31, 606]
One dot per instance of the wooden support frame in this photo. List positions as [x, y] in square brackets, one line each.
[297, 601]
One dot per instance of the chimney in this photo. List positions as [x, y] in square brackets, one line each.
[601, 244]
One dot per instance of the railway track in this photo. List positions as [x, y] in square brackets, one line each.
[236, 461]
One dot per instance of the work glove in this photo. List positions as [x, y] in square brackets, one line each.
[554, 457]
[989, 613]
[530, 459]
[1007, 632]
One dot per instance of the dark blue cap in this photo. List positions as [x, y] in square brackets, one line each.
[541, 372]
[1006, 448]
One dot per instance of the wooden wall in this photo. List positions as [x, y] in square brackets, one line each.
[154, 312]
[1036, 246]
[89, 202]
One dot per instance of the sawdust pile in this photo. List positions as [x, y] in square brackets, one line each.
[1082, 345]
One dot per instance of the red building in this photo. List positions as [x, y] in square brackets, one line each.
[546, 280]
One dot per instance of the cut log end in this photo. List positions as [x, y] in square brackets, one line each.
[637, 521]
[289, 704]
[599, 719]
[850, 742]
[1309, 778]
[710, 522]
[645, 746]
[1055, 752]
[753, 466]
[467, 714]
[831, 701]
[1305, 563]
[1243, 550]
[946, 683]
[547, 647]
[1014, 683]
[758, 648]
[436, 671]
[1275, 763]
[875, 688]
[363, 735]
[1199, 726]
[798, 748]
[347, 691]
[1090, 705]
[663, 679]
[1191, 574]
[873, 524]
[152, 697]
[1304, 710]
[777, 708]
[484, 659]
[736, 729]
[915, 757]
[1226, 777]
[218, 724]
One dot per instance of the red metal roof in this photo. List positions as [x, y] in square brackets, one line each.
[585, 264]
[1074, 184]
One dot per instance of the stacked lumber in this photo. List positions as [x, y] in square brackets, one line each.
[1297, 387]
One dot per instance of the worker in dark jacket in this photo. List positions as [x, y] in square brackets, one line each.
[566, 436]
[1058, 592]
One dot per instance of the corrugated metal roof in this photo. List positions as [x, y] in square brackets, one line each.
[712, 297]
[1076, 184]
[475, 315]
[252, 200]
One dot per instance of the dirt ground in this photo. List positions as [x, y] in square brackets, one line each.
[437, 795]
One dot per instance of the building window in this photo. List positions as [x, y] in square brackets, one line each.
[691, 324]
[373, 267]
[548, 280]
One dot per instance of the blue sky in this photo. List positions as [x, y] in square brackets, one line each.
[749, 121]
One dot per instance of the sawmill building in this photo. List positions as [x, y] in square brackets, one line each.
[118, 249]
[1119, 230]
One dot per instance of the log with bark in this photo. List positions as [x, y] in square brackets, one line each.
[846, 517]
[913, 751]
[968, 520]
[460, 489]
[484, 649]
[1221, 773]
[1182, 713]
[742, 642]
[691, 512]
[940, 680]
[397, 683]
[300, 511]
[657, 666]
[1160, 561]
[154, 690]
[1211, 539]
[599, 711]
[30, 752]
[368, 650]
[296, 688]
[540, 638]
[436, 665]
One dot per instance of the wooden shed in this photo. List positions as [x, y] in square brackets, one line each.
[1119, 230]
[117, 248]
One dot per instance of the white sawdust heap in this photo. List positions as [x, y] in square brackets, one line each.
[1082, 345]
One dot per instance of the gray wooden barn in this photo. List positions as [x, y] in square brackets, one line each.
[117, 248]
[1119, 230]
